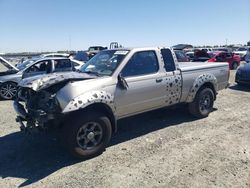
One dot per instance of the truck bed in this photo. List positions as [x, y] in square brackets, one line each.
[192, 70]
[190, 66]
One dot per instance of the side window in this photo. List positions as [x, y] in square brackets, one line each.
[222, 56]
[168, 60]
[62, 64]
[141, 63]
[229, 55]
[42, 66]
[180, 55]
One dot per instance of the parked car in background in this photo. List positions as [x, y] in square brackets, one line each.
[222, 49]
[81, 56]
[34, 58]
[93, 50]
[243, 74]
[185, 47]
[220, 56]
[242, 51]
[55, 55]
[200, 55]
[9, 82]
[190, 55]
[205, 49]
[181, 56]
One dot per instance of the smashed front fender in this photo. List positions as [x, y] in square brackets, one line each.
[89, 98]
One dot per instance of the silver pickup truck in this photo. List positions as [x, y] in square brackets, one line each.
[113, 85]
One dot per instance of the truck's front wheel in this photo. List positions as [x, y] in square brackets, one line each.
[203, 103]
[87, 135]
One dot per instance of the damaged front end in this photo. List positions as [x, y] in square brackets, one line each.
[37, 109]
[36, 102]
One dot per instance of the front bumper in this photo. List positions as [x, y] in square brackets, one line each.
[20, 110]
[32, 118]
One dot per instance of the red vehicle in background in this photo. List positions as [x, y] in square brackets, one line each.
[220, 56]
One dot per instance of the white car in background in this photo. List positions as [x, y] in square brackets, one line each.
[14, 74]
[55, 55]
[242, 51]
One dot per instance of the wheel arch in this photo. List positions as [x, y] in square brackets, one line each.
[97, 107]
[203, 81]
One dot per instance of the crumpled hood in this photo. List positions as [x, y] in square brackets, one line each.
[40, 82]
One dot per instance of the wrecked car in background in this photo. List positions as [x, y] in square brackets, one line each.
[113, 85]
[9, 79]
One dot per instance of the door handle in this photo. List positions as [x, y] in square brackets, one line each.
[158, 80]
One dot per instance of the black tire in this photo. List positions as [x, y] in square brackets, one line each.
[203, 103]
[77, 132]
[8, 90]
[234, 66]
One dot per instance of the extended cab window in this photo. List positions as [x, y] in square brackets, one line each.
[141, 63]
[168, 60]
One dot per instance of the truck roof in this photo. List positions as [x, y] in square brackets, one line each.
[140, 48]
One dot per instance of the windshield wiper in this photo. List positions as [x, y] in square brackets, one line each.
[91, 72]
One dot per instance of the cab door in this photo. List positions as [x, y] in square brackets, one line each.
[172, 79]
[145, 85]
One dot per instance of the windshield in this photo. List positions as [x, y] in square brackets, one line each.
[25, 64]
[105, 62]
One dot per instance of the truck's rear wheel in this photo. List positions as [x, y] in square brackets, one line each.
[203, 103]
[87, 135]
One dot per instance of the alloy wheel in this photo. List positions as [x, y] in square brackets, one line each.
[8, 91]
[89, 135]
[205, 103]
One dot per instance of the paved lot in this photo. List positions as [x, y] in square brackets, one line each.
[163, 148]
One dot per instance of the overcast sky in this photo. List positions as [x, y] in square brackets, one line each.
[51, 25]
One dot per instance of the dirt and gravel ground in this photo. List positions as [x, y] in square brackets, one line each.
[163, 148]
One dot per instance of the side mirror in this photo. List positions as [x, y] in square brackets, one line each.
[122, 82]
